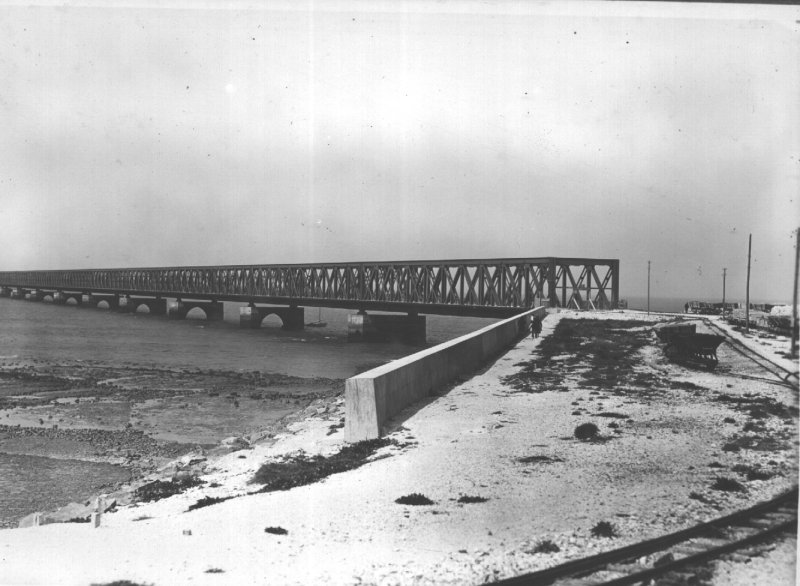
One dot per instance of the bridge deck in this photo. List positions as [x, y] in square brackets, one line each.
[483, 288]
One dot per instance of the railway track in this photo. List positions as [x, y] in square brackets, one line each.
[675, 557]
[785, 375]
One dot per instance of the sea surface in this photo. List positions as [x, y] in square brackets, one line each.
[48, 332]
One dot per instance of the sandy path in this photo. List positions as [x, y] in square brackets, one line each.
[348, 529]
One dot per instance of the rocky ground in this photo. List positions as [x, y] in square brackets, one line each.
[586, 439]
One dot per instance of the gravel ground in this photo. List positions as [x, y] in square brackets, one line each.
[499, 462]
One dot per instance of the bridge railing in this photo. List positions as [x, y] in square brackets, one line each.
[496, 283]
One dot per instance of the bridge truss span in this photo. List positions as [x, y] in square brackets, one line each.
[494, 287]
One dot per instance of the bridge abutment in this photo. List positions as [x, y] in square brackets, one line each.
[408, 329]
[293, 318]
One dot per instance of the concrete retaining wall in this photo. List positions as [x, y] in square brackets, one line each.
[375, 396]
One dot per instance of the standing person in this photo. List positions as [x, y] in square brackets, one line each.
[536, 326]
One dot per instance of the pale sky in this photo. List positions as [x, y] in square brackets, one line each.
[222, 133]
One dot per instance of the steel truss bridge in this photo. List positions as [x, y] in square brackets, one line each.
[479, 288]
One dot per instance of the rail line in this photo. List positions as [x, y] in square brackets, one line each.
[787, 376]
[676, 553]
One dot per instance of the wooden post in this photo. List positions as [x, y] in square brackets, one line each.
[747, 294]
[793, 347]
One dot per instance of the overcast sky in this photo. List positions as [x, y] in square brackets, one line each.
[303, 132]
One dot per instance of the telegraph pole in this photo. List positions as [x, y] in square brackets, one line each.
[747, 299]
[648, 287]
[793, 347]
[724, 271]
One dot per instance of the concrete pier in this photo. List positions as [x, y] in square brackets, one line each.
[61, 297]
[293, 318]
[408, 329]
[94, 300]
[34, 295]
[155, 306]
[179, 309]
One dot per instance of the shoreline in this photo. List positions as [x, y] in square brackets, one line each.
[669, 433]
[135, 419]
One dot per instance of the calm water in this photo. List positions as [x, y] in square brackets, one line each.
[43, 331]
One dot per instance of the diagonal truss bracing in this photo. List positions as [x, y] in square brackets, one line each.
[459, 287]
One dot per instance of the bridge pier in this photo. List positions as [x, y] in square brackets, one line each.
[94, 299]
[34, 295]
[178, 309]
[61, 298]
[293, 318]
[5, 291]
[155, 305]
[408, 329]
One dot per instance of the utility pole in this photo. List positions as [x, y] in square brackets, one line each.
[724, 271]
[793, 347]
[648, 287]
[747, 298]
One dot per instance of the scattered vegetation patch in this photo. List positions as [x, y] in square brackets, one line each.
[686, 386]
[613, 415]
[416, 499]
[729, 420]
[160, 489]
[604, 529]
[725, 484]
[759, 443]
[142, 518]
[119, 583]
[756, 474]
[472, 499]
[539, 459]
[302, 470]
[699, 497]
[753, 473]
[754, 426]
[757, 406]
[586, 431]
[215, 571]
[207, 501]
[716, 465]
[546, 546]
[276, 531]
